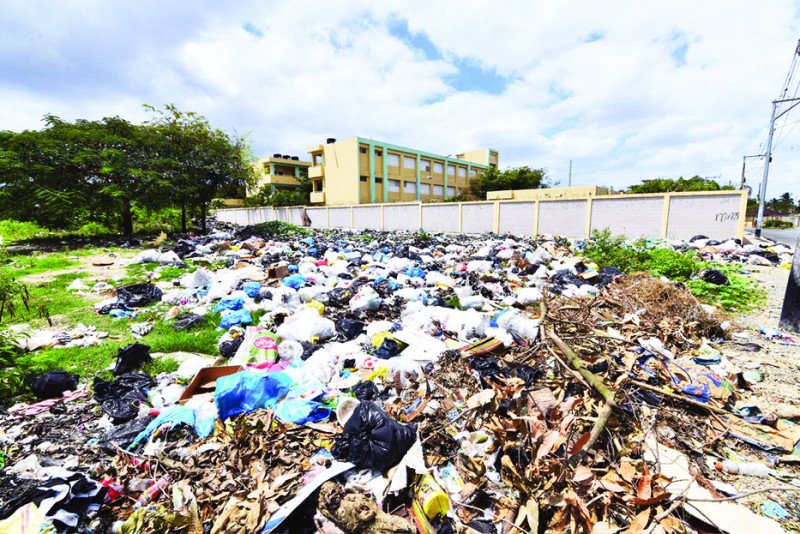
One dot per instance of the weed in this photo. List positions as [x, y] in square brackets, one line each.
[422, 235]
[12, 231]
[777, 223]
[740, 294]
[277, 229]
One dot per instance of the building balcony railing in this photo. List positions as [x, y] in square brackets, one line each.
[318, 197]
[317, 171]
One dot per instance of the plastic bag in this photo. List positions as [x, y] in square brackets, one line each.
[259, 345]
[236, 317]
[131, 357]
[388, 349]
[372, 439]
[138, 295]
[306, 325]
[244, 392]
[185, 321]
[607, 275]
[231, 303]
[349, 328]
[301, 411]
[295, 281]
[120, 398]
[713, 276]
[123, 436]
[251, 289]
[229, 347]
[366, 390]
[53, 384]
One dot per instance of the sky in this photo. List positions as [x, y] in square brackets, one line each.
[627, 90]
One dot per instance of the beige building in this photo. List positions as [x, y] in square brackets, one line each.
[279, 172]
[550, 193]
[365, 171]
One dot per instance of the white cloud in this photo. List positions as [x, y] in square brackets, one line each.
[627, 90]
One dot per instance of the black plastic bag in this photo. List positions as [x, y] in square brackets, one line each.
[228, 348]
[366, 390]
[120, 398]
[123, 436]
[713, 276]
[185, 321]
[308, 349]
[488, 369]
[53, 384]
[388, 349]
[372, 439]
[349, 328]
[564, 278]
[105, 310]
[529, 374]
[138, 295]
[339, 297]
[607, 275]
[131, 357]
[698, 238]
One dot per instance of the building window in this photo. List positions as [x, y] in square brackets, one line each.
[394, 186]
[409, 163]
[378, 153]
[426, 165]
[438, 190]
[318, 185]
[410, 188]
[438, 168]
[462, 172]
[451, 191]
[424, 189]
[364, 178]
[362, 149]
[472, 173]
[451, 170]
[394, 160]
[378, 180]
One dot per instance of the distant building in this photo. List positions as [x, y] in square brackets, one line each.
[365, 171]
[549, 193]
[279, 172]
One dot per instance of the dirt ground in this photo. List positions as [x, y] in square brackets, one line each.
[100, 267]
[779, 364]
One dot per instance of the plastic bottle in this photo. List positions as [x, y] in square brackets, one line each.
[152, 492]
[432, 498]
[755, 469]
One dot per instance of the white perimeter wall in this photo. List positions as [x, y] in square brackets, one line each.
[718, 215]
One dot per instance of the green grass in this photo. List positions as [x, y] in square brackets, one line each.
[138, 272]
[67, 308]
[740, 294]
[12, 231]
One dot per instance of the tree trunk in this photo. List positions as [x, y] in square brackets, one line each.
[203, 217]
[183, 217]
[127, 217]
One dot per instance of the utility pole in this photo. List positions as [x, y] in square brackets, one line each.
[744, 160]
[569, 183]
[768, 155]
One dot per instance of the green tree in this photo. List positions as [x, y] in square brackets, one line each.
[783, 204]
[671, 185]
[198, 161]
[516, 178]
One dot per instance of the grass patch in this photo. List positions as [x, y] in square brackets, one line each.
[140, 272]
[740, 294]
[12, 231]
[277, 229]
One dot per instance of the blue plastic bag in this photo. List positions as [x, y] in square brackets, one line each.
[294, 281]
[230, 303]
[251, 289]
[415, 272]
[245, 391]
[236, 317]
[300, 411]
[173, 416]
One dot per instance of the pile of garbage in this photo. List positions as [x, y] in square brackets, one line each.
[397, 382]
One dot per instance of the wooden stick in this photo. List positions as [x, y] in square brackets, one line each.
[660, 391]
[606, 411]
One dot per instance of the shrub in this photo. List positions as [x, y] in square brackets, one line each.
[777, 223]
[276, 229]
[11, 231]
[92, 229]
[740, 294]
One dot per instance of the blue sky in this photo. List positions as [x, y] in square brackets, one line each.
[627, 90]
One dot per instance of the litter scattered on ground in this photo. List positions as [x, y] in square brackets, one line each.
[402, 382]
